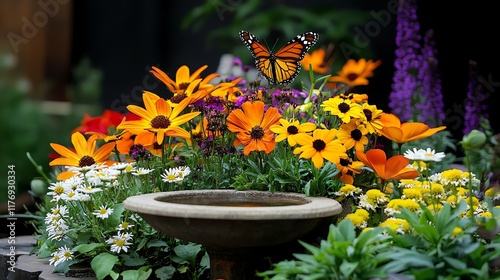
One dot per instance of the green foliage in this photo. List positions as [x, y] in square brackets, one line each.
[279, 21]
[344, 255]
[435, 251]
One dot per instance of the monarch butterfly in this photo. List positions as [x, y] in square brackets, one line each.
[283, 66]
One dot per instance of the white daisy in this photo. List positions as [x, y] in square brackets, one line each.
[126, 166]
[424, 155]
[124, 226]
[55, 260]
[103, 212]
[141, 171]
[120, 242]
[170, 176]
[183, 171]
[65, 253]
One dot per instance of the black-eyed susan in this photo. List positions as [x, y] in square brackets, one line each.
[319, 146]
[289, 130]
[355, 73]
[85, 153]
[354, 97]
[343, 108]
[183, 79]
[252, 125]
[372, 118]
[353, 134]
[158, 119]
[347, 167]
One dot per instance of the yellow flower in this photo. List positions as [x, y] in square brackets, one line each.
[363, 213]
[372, 118]
[456, 231]
[289, 130]
[85, 153]
[400, 226]
[353, 134]
[343, 108]
[158, 120]
[412, 194]
[348, 190]
[357, 220]
[321, 145]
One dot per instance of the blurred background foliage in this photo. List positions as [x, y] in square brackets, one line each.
[275, 23]
[29, 125]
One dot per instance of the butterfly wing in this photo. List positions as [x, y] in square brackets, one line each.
[287, 59]
[260, 54]
[284, 66]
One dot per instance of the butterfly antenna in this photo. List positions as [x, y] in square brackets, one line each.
[267, 45]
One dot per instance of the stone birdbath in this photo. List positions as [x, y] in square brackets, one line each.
[233, 225]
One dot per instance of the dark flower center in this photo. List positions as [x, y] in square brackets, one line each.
[344, 107]
[160, 121]
[86, 161]
[319, 145]
[177, 98]
[356, 134]
[292, 130]
[344, 162]
[183, 86]
[352, 76]
[368, 114]
[257, 132]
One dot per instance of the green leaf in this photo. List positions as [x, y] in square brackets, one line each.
[115, 217]
[188, 252]
[133, 261]
[103, 264]
[84, 248]
[141, 274]
[165, 272]
[157, 243]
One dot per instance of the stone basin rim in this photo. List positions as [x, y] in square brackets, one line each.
[316, 207]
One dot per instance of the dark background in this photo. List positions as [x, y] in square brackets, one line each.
[125, 40]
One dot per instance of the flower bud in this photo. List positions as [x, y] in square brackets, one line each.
[38, 187]
[474, 140]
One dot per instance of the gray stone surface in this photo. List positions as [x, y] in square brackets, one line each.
[29, 267]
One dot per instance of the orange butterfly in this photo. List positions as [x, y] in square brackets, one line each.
[284, 66]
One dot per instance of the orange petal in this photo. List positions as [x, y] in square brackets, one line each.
[394, 165]
[377, 160]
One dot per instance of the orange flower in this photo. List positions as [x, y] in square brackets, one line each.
[85, 153]
[158, 119]
[401, 133]
[394, 168]
[183, 79]
[252, 126]
[318, 60]
[355, 73]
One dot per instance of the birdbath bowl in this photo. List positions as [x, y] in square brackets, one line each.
[233, 225]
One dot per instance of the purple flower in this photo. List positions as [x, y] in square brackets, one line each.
[416, 89]
[475, 109]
